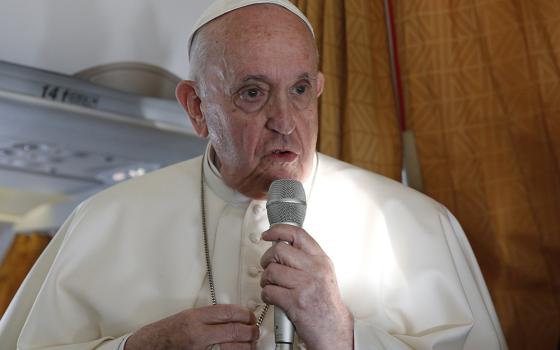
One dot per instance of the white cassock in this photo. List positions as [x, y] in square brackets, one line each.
[133, 254]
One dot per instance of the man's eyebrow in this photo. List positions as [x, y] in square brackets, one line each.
[264, 78]
[255, 77]
[307, 76]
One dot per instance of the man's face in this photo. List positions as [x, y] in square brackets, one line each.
[260, 100]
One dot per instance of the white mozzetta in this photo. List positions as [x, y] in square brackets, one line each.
[133, 254]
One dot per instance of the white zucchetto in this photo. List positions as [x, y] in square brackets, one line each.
[221, 7]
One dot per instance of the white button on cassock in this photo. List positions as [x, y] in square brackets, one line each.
[252, 304]
[254, 271]
[257, 209]
[254, 237]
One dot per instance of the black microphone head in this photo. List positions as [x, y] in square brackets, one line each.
[286, 202]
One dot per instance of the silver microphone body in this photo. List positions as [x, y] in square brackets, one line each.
[286, 205]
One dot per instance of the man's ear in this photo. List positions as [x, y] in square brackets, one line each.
[187, 95]
[320, 83]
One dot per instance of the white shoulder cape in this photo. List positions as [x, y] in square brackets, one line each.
[132, 255]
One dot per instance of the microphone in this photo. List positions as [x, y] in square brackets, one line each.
[286, 205]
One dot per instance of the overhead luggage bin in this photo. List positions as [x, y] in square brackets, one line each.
[61, 134]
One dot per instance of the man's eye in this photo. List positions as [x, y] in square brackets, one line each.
[300, 89]
[251, 94]
[251, 98]
[301, 95]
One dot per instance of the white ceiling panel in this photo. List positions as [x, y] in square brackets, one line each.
[68, 36]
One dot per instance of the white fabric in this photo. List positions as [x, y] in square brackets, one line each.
[221, 7]
[132, 255]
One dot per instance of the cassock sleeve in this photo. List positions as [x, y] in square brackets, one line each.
[14, 318]
[17, 315]
[483, 332]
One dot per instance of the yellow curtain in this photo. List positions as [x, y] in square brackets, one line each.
[482, 95]
[21, 256]
[358, 122]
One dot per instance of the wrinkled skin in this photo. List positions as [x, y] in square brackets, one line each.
[299, 277]
[231, 326]
[257, 95]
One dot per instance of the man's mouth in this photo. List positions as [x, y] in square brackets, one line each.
[283, 155]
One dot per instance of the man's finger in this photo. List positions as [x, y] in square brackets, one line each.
[275, 295]
[230, 333]
[225, 313]
[237, 346]
[286, 255]
[296, 236]
[282, 276]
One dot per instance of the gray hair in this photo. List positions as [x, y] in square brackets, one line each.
[199, 57]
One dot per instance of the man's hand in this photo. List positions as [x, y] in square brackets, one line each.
[300, 279]
[231, 326]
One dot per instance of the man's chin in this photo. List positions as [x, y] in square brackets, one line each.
[286, 172]
[257, 187]
[293, 170]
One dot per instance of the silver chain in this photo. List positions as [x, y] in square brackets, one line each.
[207, 249]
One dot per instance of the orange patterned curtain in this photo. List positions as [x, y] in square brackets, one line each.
[482, 95]
[21, 256]
[358, 122]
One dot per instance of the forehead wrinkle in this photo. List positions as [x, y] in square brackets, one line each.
[265, 79]
[307, 76]
[252, 22]
[260, 77]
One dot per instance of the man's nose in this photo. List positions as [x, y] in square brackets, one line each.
[281, 116]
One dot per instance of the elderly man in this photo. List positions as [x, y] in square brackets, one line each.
[376, 266]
